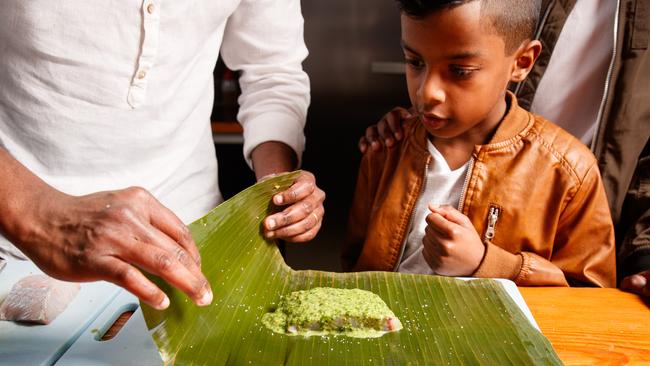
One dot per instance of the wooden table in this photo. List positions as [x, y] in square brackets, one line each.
[589, 326]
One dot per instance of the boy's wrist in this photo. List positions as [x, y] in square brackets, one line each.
[498, 263]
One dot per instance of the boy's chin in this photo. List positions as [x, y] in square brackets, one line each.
[443, 132]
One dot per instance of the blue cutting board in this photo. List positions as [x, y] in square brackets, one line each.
[23, 344]
[132, 345]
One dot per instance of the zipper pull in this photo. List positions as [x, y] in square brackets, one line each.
[493, 217]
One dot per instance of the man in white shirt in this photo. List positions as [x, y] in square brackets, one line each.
[98, 98]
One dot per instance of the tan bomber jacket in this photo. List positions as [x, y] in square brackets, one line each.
[533, 190]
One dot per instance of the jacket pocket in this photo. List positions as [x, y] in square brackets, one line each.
[639, 25]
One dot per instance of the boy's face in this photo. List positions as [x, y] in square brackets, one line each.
[457, 71]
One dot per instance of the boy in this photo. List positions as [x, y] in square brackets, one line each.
[531, 204]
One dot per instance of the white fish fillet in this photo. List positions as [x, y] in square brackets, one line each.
[38, 299]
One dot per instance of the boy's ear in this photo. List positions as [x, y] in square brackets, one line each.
[525, 58]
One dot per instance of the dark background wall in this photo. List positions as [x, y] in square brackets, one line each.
[353, 45]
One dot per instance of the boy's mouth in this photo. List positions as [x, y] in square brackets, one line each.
[432, 121]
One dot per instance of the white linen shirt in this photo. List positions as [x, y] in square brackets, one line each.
[103, 95]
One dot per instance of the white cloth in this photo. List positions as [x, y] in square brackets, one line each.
[106, 95]
[571, 90]
[443, 186]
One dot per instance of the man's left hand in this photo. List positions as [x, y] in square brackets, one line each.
[303, 215]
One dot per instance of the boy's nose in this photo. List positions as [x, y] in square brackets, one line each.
[431, 91]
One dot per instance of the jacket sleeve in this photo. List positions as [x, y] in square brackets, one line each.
[525, 269]
[634, 253]
[584, 247]
[583, 251]
[359, 214]
[637, 246]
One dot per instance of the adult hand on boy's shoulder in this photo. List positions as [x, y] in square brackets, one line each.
[452, 247]
[386, 131]
[638, 283]
[303, 215]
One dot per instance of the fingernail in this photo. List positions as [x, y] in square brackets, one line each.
[278, 199]
[398, 135]
[206, 299]
[271, 223]
[434, 206]
[164, 304]
[270, 234]
[638, 281]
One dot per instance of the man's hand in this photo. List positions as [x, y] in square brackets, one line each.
[386, 131]
[638, 283]
[114, 236]
[303, 217]
[452, 247]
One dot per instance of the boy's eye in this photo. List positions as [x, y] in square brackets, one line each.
[461, 71]
[414, 63]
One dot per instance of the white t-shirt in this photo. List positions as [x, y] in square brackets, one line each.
[443, 186]
[571, 90]
[106, 95]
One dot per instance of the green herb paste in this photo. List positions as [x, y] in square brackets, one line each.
[332, 311]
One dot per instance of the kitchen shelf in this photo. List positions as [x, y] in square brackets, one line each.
[229, 132]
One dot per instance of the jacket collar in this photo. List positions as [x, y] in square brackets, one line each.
[512, 127]
[514, 124]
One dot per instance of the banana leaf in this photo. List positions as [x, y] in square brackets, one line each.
[446, 320]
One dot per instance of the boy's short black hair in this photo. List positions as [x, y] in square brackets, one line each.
[514, 20]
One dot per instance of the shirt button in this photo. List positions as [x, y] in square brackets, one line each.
[142, 74]
[151, 8]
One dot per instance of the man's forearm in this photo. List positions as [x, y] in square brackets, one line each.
[20, 192]
[273, 157]
[111, 235]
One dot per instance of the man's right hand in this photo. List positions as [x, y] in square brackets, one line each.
[386, 131]
[114, 236]
[638, 283]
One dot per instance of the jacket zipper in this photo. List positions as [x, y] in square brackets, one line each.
[603, 102]
[470, 167]
[408, 228]
[493, 217]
